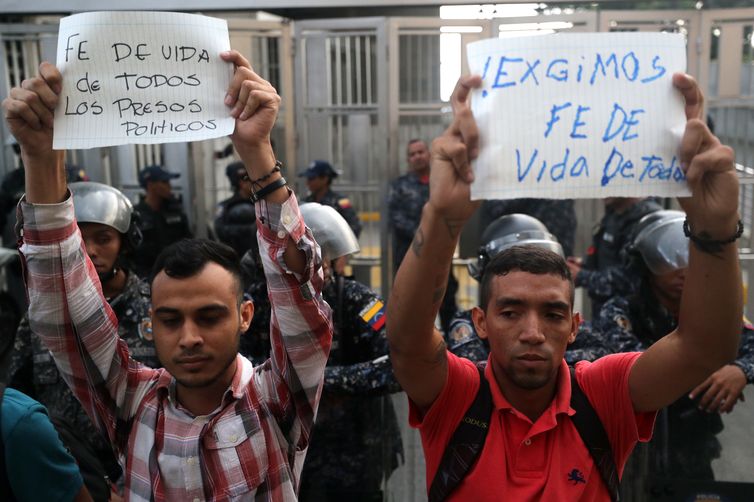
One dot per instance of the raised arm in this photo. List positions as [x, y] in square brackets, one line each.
[300, 320]
[711, 305]
[66, 306]
[417, 350]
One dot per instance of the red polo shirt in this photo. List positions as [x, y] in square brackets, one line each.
[545, 460]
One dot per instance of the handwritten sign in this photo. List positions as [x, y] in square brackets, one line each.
[579, 115]
[141, 77]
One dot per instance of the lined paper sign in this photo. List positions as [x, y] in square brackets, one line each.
[141, 77]
[579, 115]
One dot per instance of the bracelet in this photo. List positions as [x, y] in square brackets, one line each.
[275, 169]
[711, 246]
[268, 189]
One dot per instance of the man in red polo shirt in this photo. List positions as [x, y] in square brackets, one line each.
[532, 449]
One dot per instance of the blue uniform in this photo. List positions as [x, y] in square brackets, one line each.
[604, 273]
[356, 440]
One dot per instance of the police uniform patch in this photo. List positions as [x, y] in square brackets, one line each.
[460, 332]
[344, 203]
[374, 314]
[622, 322]
[145, 329]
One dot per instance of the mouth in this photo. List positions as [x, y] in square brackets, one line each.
[532, 359]
[192, 363]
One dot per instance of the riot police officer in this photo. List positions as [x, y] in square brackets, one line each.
[107, 223]
[601, 272]
[355, 441]
[685, 441]
[161, 217]
[236, 220]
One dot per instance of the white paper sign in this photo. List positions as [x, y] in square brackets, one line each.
[141, 77]
[579, 115]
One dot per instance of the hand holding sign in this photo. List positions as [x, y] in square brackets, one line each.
[255, 104]
[579, 115]
[141, 77]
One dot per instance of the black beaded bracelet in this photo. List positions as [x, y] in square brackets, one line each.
[711, 246]
[275, 169]
[268, 189]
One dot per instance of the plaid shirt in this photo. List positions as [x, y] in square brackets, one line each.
[253, 445]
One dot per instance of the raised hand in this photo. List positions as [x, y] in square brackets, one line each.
[712, 208]
[451, 174]
[254, 104]
[29, 110]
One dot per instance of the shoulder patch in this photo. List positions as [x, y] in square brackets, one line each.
[622, 322]
[345, 203]
[145, 329]
[460, 332]
[374, 314]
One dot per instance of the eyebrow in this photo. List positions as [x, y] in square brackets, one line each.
[514, 302]
[207, 309]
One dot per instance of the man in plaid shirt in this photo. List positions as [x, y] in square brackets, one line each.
[208, 426]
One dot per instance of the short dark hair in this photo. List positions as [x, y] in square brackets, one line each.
[525, 258]
[188, 257]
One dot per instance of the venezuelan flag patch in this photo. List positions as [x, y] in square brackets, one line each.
[374, 314]
[344, 203]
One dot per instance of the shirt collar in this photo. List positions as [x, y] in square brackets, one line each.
[560, 404]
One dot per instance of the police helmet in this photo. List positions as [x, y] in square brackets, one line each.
[512, 230]
[97, 203]
[330, 229]
[660, 241]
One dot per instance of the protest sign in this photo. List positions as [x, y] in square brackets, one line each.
[141, 77]
[579, 115]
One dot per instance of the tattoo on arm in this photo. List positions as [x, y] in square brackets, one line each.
[418, 243]
[438, 294]
[454, 227]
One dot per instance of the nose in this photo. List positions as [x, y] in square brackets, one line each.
[190, 337]
[531, 331]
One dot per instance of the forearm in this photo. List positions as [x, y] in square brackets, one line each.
[73, 319]
[711, 305]
[43, 184]
[420, 284]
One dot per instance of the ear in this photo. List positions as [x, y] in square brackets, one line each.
[480, 322]
[575, 323]
[247, 314]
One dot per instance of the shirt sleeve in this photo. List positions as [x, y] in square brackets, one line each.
[39, 467]
[745, 359]
[623, 425]
[437, 425]
[75, 322]
[300, 321]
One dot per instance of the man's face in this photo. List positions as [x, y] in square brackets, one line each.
[197, 324]
[418, 156]
[161, 189]
[316, 184]
[529, 323]
[669, 286]
[102, 245]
